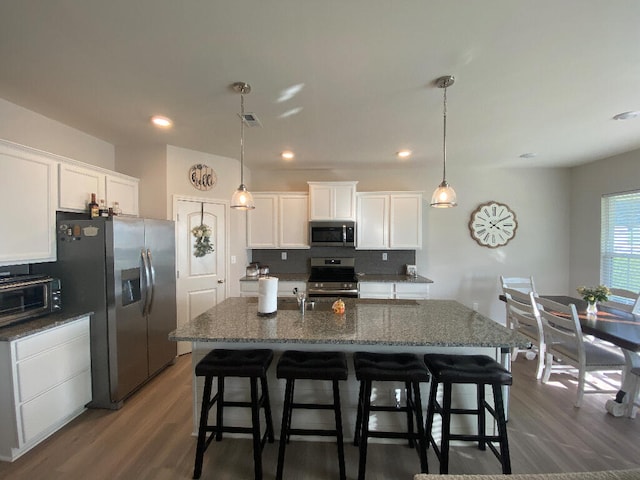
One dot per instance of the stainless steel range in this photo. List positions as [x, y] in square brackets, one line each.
[333, 277]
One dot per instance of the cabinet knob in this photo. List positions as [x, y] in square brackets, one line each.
[221, 280]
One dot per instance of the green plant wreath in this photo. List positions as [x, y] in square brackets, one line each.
[202, 245]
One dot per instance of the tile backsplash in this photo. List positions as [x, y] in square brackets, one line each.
[367, 261]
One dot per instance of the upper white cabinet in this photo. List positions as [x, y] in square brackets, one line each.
[124, 190]
[28, 198]
[280, 220]
[78, 182]
[389, 220]
[332, 200]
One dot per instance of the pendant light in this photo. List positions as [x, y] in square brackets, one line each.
[444, 196]
[242, 199]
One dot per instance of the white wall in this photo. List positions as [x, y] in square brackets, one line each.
[589, 182]
[460, 268]
[149, 164]
[19, 125]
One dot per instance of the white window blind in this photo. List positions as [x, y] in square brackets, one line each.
[620, 241]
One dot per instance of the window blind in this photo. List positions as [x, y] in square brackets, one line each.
[620, 241]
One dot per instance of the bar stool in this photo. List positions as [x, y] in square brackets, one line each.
[222, 363]
[480, 370]
[390, 367]
[295, 365]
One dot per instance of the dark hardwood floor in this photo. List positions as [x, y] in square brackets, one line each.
[150, 438]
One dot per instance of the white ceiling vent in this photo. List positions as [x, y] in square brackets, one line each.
[250, 120]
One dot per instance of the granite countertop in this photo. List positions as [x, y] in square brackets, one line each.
[362, 277]
[441, 323]
[37, 325]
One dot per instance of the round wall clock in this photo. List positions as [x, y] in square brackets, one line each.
[202, 177]
[493, 224]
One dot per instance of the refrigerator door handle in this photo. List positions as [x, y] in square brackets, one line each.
[152, 281]
[147, 279]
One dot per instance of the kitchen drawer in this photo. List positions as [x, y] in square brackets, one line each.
[375, 290]
[416, 289]
[56, 406]
[37, 343]
[41, 372]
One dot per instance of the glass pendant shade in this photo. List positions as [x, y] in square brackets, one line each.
[444, 196]
[242, 199]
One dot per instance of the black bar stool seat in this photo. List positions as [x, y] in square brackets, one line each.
[390, 367]
[297, 365]
[221, 363]
[480, 370]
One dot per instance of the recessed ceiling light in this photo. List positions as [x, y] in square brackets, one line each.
[404, 153]
[162, 122]
[287, 155]
[529, 155]
[626, 115]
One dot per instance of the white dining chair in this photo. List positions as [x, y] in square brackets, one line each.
[634, 401]
[625, 300]
[564, 342]
[522, 284]
[525, 318]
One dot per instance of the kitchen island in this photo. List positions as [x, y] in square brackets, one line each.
[417, 326]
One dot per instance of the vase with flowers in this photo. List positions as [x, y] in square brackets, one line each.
[593, 295]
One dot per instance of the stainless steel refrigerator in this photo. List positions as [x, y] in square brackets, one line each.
[123, 270]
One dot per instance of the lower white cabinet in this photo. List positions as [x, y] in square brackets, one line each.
[394, 290]
[46, 382]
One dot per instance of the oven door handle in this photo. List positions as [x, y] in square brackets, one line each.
[336, 293]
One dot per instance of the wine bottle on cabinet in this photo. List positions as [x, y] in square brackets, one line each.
[94, 208]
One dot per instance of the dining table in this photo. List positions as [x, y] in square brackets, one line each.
[617, 327]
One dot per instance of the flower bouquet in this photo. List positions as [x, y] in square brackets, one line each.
[202, 234]
[593, 295]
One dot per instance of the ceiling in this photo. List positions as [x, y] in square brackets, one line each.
[342, 83]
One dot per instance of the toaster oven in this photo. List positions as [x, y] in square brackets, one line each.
[28, 296]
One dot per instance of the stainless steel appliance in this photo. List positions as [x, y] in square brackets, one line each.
[122, 269]
[332, 234]
[28, 296]
[332, 277]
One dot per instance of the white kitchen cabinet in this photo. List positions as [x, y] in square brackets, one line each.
[28, 197]
[46, 380]
[332, 200]
[77, 182]
[411, 291]
[124, 190]
[394, 290]
[280, 220]
[389, 221]
[75, 186]
[383, 290]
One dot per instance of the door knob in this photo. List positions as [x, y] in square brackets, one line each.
[221, 281]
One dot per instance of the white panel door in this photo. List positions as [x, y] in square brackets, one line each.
[262, 223]
[405, 230]
[201, 280]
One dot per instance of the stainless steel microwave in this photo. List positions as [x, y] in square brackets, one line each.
[332, 234]
[28, 296]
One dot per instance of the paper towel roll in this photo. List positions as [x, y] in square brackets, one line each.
[267, 295]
